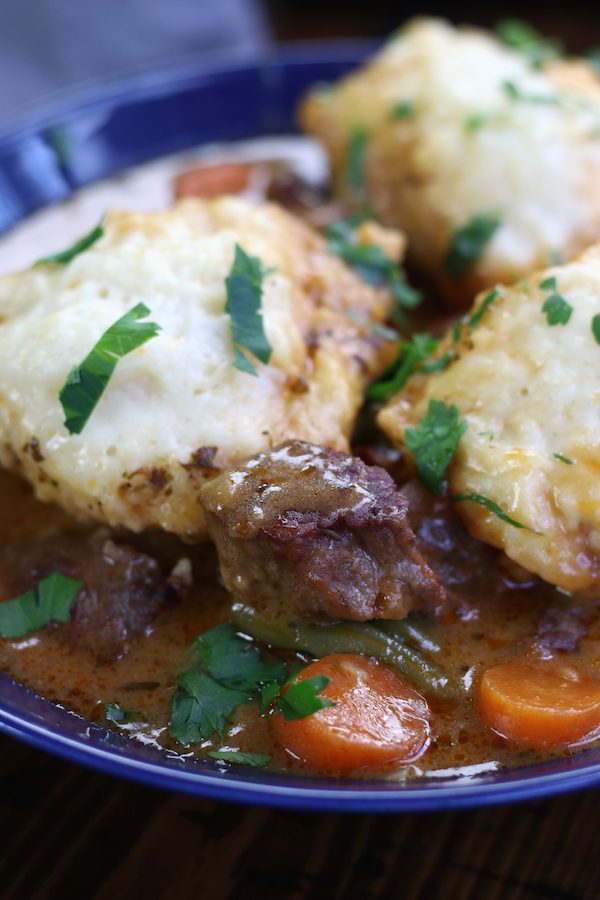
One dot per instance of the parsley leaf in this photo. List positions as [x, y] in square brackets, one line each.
[371, 263]
[433, 444]
[356, 157]
[548, 285]
[50, 600]
[596, 328]
[86, 383]
[524, 37]
[258, 760]
[244, 299]
[234, 662]
[468, 244]
[438, 365]
[491, 507]
[61, 259]
[301, 698]
[557, 310]
[402, 110]
[232, 672]
[515, 93]
[562, 458]
[200, 706]
[479, 314]
[116, 714]
[410, 354]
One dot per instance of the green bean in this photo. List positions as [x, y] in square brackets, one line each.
[321, 639]
[410, 630]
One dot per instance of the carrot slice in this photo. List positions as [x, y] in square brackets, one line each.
[540, 705]
[212, 181]
[378, 718]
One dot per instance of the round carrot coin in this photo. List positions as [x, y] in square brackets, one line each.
[378, 718]
[540, 705]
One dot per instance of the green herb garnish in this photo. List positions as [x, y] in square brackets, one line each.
[356, 157]
[244, 300]
[258, 760]
[232, 672]
[477, 121]
[491, 507]
[549, 284]
[201, 706]
[410, 354]
[61, 259]
[86, 383]
[596, 328]
[402, 110]
[371, 263]
[438, 365]
[116, 714]
[524, 37]
[434, 443]
[468, 244]
[514, 92]
[49, 601]
[562, 458]
[557, 310]
[234, 662]
[485, 433]
[301, 698]
[480, 312]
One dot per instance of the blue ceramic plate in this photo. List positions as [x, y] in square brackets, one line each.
[83, 139]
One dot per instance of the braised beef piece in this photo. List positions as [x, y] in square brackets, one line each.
[123, 589]
[317, 531]
[558, 629]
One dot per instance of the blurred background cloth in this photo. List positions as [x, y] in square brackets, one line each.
[51, 45]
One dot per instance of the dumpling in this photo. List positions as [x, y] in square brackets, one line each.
[525, 377]
[490, 166]
[175, 411]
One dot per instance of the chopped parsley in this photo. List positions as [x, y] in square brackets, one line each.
[514, 92]
[596, 328]
[61, 259]
[371, 263]
[116, 714]
[232, 671]
[562, 458]
[410, 354]
[468, 244]
[434, 443]
[86, 383]
[485, 433]
[356, 157]
[402, 110]
[258, 760]
[477, 121]
[49, 601]
[491, 507]
[201, 706]
[524, 37]
[301, 698]
[557, 310]
[438, 365]
[234, 662]
[549, 284]
[244, 301]
[480, 312]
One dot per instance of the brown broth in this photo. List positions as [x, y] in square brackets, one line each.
[493, 627]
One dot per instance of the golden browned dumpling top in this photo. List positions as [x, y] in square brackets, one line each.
[524, 378]
[175, 410]
[491, 166]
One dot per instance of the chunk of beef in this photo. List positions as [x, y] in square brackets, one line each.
[123, 589]
[317, 531]
[558, 629]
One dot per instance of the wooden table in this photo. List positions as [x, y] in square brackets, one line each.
[68, 833]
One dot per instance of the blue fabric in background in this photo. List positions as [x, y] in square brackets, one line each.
[47, 46]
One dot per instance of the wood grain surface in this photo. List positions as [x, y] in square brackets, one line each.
[67, 833]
